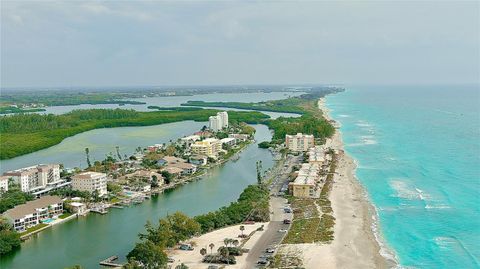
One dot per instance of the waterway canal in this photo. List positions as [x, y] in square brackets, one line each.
[88, 240]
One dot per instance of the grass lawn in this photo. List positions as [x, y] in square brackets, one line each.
[34, 228]
[65, 215]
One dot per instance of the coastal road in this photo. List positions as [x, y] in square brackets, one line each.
[271, 236]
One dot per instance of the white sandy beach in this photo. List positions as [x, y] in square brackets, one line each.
[354, 244]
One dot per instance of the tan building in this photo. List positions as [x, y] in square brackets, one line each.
[90, 181]
[209, 147]
[34, 212]
[305, 184]
[316, 155]
[299, 142]
[35, 178]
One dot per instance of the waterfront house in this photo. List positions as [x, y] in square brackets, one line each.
[174, 171]
[203, 134]
[79, 208]
[169, 160]
[198, 159]
[239, 137]
[34, 212]
[90, 181]
[229, 141]
[189, 140]
[145, 175]
[155, 147]
[187, 168]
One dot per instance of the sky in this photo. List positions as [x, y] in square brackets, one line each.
[131, 43]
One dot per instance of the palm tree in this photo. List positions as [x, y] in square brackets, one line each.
[242, 228]
[235, 242]
[226, 241]
[212, 245]
[87, 152]
[203, 251]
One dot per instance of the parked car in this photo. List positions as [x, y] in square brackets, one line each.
[270, 250]
[186, 247]
[170, 259]
[287, 221]
[287, 210]
[282, 231]
[262, 262]
[249, 222]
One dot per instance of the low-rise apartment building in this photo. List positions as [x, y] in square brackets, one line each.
[90, 181]
[299, 142]
[209, 147]
[34, 212]
[305, 184]
[316, 155]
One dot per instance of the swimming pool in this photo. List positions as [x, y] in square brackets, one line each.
[47, 221]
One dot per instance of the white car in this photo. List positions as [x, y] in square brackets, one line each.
[282, 231]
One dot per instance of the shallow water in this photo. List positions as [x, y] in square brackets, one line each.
[418, 151]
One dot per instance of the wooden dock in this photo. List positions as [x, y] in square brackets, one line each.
[110, 262]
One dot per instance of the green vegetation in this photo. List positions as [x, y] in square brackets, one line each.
[9, 238]
[307, 124]
[34, 228]
[12, 109]
[13, 197]
[251, 205]
[299, 104]
[287, 105]
[264, 145]
[66, 98]
[24, 133]
[169, 232]
[65, 215]
[175, 108]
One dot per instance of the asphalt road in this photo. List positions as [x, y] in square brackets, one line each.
[271, 237]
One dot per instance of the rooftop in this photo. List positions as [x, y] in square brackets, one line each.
[31, 206]
[88, 175]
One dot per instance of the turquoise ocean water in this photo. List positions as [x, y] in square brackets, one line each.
[418, 155]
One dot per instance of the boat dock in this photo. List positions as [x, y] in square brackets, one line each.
[110, 262]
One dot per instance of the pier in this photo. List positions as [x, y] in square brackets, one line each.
[110, 262]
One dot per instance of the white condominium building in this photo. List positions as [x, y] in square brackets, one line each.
[209, 147]
[4, 183]
[34, 212]
[34, 178]
[299, 142]
[218, 122]
[90, 181]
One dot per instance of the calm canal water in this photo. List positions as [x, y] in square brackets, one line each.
[88, 240]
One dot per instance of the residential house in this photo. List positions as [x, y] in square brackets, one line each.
[189, 140]
[79, 208]
[239, 137]
[198, 159]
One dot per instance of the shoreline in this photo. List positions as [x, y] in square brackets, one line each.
[357, 240]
